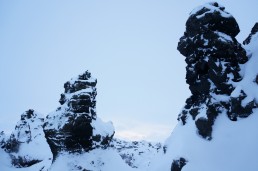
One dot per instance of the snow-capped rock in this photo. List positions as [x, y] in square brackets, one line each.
[27, 145]
[74, 126]
[221, 74]
[213, 58]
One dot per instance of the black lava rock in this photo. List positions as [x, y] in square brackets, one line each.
[213, 58]
[177, 165]
[71, 128]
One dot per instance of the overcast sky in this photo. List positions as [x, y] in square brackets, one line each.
[128, 45]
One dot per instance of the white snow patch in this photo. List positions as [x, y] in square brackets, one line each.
[211, 9]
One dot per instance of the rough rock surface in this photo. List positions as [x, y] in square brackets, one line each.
[213, 58]
[74, 126]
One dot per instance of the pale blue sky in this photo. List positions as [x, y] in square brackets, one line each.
[128, 45]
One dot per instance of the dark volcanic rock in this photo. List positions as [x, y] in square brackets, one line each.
[213, 58]
[211, 17]
[177, 165]
[74, 126]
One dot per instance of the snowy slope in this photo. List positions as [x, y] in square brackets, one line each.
[95, 160]
[234, 147]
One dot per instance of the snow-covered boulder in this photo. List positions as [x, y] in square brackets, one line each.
[74, 126]
[27, 144]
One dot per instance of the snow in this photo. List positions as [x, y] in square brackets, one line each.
[202, 112]
[33, 145]
[236, 92]
[95, 160]
[5, 164]
[137, 154]
[211, 9]
[250, 71]
[224, 37]
[102, 128]
[234, 143]
[34, 140]
[233, 147]
[206, 41]
[220, 97]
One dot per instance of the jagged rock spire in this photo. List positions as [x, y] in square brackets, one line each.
[74, 126]
[213, 58]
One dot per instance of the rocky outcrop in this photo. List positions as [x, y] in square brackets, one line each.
[253, 32]
[177, 165]
[28, 135]
[213, 58]
[74, 126]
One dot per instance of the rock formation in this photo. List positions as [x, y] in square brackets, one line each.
[213, 58]
[253, 32]
[28, 135]
[217, 126]
[74, 126]
[216, 130]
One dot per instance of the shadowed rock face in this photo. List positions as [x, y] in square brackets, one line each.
[71, 127]
[213, 58]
